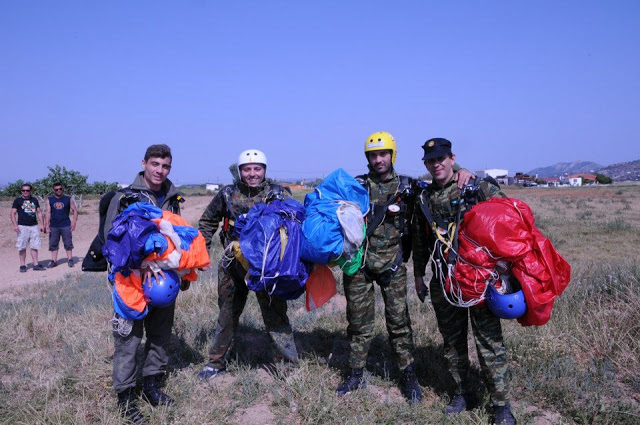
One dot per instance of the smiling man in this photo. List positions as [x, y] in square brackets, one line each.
[151, 186]
[225, 207]
[438, 206]
[391, 197]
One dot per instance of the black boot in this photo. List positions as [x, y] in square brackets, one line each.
[128, 405]
[152, 393]
[409, 385]
[458, 404]
[353, 382]
[502, 415]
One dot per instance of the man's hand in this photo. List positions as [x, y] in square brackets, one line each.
[421, 289]
[463, 176]
[148, 273]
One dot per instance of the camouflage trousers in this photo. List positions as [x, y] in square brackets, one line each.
[361, 317]
[157, 325]
[487, 333]
[232, 297]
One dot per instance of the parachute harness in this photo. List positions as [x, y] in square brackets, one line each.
[446, 242]
[121, 325]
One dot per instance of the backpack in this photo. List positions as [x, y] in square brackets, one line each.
[94, 261]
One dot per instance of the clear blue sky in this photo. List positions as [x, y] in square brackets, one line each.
[516, 85]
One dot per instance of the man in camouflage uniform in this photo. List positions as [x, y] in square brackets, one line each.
[231, 202]
[150, 186]
[444, 202]
[390, 195]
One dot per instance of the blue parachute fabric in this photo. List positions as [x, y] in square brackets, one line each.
[125, 244]
[187, 234]
[156, 242]
[261, 245]
[144, 209]
[238, 225]
[323, 240]
[123, 310]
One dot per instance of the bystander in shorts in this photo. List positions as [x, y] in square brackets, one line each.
[55, 233]
[28, 237]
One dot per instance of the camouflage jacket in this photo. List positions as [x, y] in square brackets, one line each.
[139, 192]
[384, 249]
[444, 204]
[231, 202]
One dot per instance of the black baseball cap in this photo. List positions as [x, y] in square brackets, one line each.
[435, 148]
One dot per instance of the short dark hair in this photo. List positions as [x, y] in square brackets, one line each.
[158, 151]
[28, 185]
[57, 184]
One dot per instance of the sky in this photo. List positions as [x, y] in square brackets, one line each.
[514, 85]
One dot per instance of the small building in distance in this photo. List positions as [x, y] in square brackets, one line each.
[552, 181]
[582, 179]
[501, 176]
[212, 186]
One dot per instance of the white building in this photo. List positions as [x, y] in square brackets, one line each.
[575, 181]
[212, 186]
[497, 173]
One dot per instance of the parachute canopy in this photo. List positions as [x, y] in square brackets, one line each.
[143, 234]
[503, 229]
[270, 241]
[334, 222]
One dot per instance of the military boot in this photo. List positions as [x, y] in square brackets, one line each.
[128, 406]
[458, 404]
[353, 382]
[502, 415]
[409, 385]
[152, 393]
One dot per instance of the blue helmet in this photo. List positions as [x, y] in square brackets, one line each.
[162, 292]
[505, 306]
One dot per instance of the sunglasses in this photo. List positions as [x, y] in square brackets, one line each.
[26, 190]
[57, 190]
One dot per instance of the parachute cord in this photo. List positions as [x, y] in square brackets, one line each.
[263, 278]
[121, 325]
[455, 296]
[227, 256]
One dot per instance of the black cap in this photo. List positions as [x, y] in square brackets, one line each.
[435, 148]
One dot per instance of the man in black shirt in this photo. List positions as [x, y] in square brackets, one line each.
[24, 216]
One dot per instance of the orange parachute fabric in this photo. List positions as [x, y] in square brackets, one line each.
[504, 229]
[129, 288]
[320, 287]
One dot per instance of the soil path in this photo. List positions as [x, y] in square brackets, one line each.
[86, 229]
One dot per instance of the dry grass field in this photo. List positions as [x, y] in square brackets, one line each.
[582, 367]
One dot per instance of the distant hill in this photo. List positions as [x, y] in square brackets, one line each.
[623, 171]
[566, 167]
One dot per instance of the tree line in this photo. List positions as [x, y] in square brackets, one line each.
[75, 185]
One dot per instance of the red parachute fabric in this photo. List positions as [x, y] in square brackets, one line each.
[504, 229]
[320, 286]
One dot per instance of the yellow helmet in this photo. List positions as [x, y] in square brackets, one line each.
[379, 141]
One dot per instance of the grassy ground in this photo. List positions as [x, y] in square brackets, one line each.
[582, 367]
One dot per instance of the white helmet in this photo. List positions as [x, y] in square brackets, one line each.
[251, 156]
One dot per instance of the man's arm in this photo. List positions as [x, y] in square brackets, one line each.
[74, 218]
[462, 176]
[14, 219]
[421, 251]
[47, 219]
[210, 219]
[40, 218]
